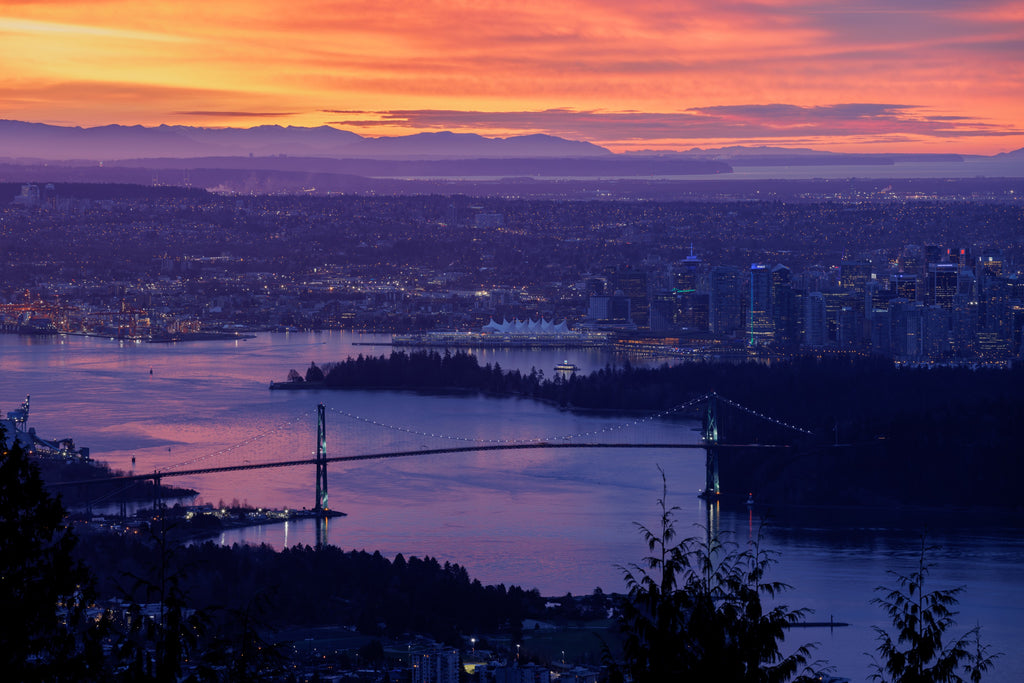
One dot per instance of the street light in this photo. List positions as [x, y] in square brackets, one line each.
[472, 641]
[517, 652]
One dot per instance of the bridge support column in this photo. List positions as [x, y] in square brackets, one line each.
[321, 461]
[711, 487]
[158, 499]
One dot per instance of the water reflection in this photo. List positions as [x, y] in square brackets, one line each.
[713, 517]
[321, 525]
[556, 520]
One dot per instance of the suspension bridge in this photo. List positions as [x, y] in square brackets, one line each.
[707, 407]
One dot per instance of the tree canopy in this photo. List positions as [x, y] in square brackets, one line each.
[44, 590]
[694, 612]
[920, 650]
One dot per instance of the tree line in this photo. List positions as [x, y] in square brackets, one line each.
[881, 434]
[322, 586]
[696, 609]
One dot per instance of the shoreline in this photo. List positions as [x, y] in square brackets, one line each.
[195, 524]
[159, 339]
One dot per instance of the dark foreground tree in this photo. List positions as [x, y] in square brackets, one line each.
[694, 612]
[919, 650]
[43, 590]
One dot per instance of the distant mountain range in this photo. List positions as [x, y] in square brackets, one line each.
[20, 140]
[326, 159]
[39, 141]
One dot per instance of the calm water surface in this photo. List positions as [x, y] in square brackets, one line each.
[557, 520]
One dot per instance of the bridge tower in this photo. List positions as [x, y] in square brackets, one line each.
[711, 487]
[321, 461]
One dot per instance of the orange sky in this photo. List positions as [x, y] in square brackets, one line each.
[930, 76]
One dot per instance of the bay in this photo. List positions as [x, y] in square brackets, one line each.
[557, 520]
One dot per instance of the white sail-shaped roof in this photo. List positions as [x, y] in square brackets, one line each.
[517, 326]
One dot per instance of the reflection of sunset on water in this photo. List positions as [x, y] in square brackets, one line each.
[556, 520]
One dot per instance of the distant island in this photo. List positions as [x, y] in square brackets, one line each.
[882, 435]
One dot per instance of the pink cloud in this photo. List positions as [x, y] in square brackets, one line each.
[740, 122]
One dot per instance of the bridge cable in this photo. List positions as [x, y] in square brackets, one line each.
[764, 417]
[568, 437]
[111, 494]
[238, 445]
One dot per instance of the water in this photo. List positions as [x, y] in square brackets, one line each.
[557, 520]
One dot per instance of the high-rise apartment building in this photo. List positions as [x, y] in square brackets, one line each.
[815, 324]
[725, 302]
[904, 285]
[785, 309]
[760, 328]
[942, 284]
[438, 666]
[633, 284]
[854, 276]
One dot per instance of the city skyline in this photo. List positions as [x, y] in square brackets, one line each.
[936, 77]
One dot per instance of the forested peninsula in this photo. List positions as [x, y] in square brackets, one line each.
[317, 586]
[881, 435]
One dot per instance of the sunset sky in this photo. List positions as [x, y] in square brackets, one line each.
[842, 75]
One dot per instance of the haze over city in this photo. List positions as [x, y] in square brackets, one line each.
[852, 77]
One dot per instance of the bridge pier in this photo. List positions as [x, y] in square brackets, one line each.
[711, 483]
[158, 499]
[321, 462]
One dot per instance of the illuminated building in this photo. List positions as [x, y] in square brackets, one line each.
[438, 666]
[785, 309]
[964, 326]
[760, 330]
[614, 309]
[725, 301]
[664, 311]
[851, 326]
[881, 332]
[854, 275]
[905, 286]
[633, 284]
[905, 329]
[687, 274]
[815, 325]
[942, 284]
[935, 325]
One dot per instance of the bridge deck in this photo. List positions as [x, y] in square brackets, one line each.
[400, 454]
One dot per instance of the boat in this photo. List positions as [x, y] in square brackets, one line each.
[566, 366]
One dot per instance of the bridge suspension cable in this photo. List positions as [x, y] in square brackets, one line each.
[112, 494]
[566, 437]
[762, 416]
[228, 449]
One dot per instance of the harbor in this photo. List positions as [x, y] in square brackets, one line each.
[523, 334]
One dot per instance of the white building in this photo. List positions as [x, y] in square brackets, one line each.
[437, 666]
